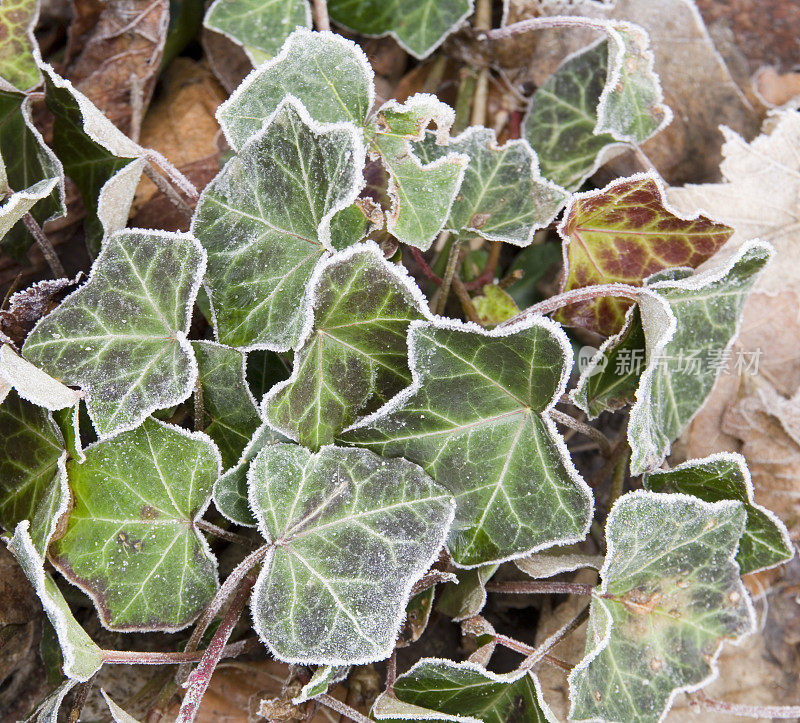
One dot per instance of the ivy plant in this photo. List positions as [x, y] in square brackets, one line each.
[337, 364]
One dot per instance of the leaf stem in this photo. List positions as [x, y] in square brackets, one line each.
[618, 480]
[342, 708]
[322, 20]
[174, 175]
[136, 657]
[541, 23]
[487, 275]
[222, 533]
[44, 245]
[528, 650]
[575, 296]
[450, 271]
[225, 591]
[540, 587]
[171, 194]
[201, 676]
[545, 647]
[466, 302]
[481, 22]
[428, 272]
[747, 711]
[586, 430]
[81, 695]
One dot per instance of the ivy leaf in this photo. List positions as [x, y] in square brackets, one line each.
[611, 378]
[265, 222]
[104, 163]
[231, 415]
[688, 323]
[118, 714]
[20, 203]
[324, 676]
[502, 197]
[47, 710]
[623, 233]
[494, 306]
[557, 560]
[17, 64]
[476, 418]
[131, 541]
[419, 26]
[32, 384]
[441, 690]
[421, 194]
[28, 161]
[670, 595]
[725, 476]
[352, 357]
[349, 534]
[465, 598]
[259, 27]
[230, 490]
[328, 74]
[121, 337]
[32, 460]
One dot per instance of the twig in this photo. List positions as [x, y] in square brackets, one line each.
[576, 296]
[747, 711]
[586, 430]
[342, 708]
[482, 22]
[137, 106]
[174, 175]
[44, 244]
[526, 649]
[146, 657]
[466, 302]
[168, 191]
[545, 647]
[223, 534]
[541, 23]
[81, 694]
[200, 678]
[487, 275]
[225, 591]
[449, 273]
[540, 587]
[429, 273]
[321, 19]
[391, 671]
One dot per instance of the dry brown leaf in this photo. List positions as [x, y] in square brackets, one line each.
[115, 54]
[228, 60]
[696, 82]
[778, 89]
[26, 307]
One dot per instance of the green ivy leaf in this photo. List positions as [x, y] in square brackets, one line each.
[503, 197]
[47, 710]
[686, 321]
[324, 676]
[611, 377]
[494, 306]
[231, 415]
[465, 598]
[81, 657]
[441, 690]
[603, 97]
[328, 74]
[121, 337]
[20, 203]
[28, 161]
[557, 560]
[419, 26]
[131, 541]
[624, 233]
[349, 534]
[352, 357]
[230, 490]
[670, 595]
[259, 27]
[17, 43]
[265, 222]
[118, 714]
[104, 163]
[422, 194]
[31, 459]
[725, 476]
[477, 420]
[32, 384]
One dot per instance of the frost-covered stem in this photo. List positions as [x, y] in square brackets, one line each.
[321, 19]
[466, 302]
[482, 21]
[225, 591]
[136, 657]
[544, 648]
[748, 711]
[200, 677]
[618, 480]
[542, 23]
[487, 275]
[168, 191]
[44, 245]
[391, 671]
[585, 429]
[575, 296]
[81, 694]
[449, 273]
[342, 708]
[526, 649]
[137, 107]
[428, 272]
[540, 587]
[174, 175]
[222, 533]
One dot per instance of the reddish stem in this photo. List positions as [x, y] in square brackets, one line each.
[748, 711]
[135, 657]
[429, 273]
[540, 587]
[201, 676]
[342, 708]
[515, 124]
